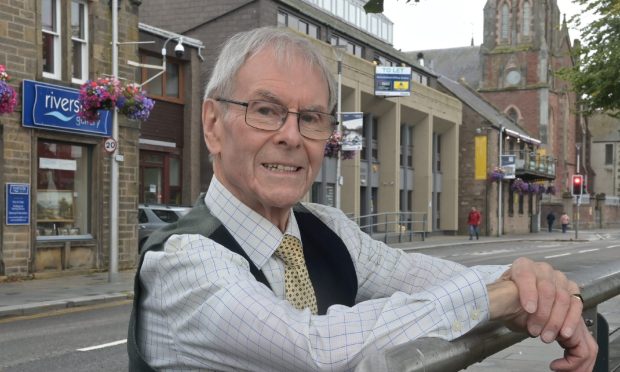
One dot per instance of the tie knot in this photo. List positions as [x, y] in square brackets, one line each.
[290, 251]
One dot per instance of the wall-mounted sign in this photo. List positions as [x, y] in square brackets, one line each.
[352, 136]
[47, 106]
[392, 81]
[508, 165]
[17, 204]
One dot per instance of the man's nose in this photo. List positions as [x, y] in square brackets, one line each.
[290, 128]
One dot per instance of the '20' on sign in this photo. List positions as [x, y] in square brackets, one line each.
[110, 145]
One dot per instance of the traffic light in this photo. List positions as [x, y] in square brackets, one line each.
[577, 184]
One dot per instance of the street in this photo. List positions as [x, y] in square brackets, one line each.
[62, 341]
[93, 338]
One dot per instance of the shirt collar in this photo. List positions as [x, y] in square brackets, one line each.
[258, 237]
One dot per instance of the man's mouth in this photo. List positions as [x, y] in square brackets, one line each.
[281, 168]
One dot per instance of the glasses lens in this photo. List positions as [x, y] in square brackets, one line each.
[265, 115]
[315, 125]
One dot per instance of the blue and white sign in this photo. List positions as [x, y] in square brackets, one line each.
[17, 204]
[47, 106]
[392, 81]
[508, 164]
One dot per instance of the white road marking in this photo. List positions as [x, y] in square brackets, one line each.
[613, 246]
[588, 250]
[490, 252]
[549, 246]
[558, 255]
[119, 342]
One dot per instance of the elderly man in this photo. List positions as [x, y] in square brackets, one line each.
[252, 279]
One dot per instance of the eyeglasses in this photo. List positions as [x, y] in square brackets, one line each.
[271, 116]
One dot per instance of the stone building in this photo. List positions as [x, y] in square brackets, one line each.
[54, 166]
[524, 45]
[423, 176]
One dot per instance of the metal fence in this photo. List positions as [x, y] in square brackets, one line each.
[393, 226]
[434, 354]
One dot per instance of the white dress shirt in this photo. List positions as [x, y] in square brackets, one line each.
[202, 309]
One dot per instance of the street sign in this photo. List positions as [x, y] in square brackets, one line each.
[17, 204]
[508, 165]
[110, 145]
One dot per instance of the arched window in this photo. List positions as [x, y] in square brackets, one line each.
[505, 22]
[513, 114]
[527, 17]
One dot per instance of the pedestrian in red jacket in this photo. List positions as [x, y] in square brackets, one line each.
[473, 220]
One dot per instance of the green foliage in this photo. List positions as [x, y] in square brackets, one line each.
[376, 6]
[596, 75]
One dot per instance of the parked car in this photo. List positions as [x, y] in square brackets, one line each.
[153, 216]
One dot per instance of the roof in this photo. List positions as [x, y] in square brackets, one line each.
[497, 119]
[442, 62]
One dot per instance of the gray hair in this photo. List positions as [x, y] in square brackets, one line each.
[244, 45]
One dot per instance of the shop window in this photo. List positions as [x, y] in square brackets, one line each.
[167, 86]
[79, 39]
[50, 28]
[62, 195]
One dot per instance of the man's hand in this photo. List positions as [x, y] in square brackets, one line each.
[533, 296]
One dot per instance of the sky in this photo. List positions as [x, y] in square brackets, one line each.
[417, 26]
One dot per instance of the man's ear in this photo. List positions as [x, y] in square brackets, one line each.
[210, 130]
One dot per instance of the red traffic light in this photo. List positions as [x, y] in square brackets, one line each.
[577, 184]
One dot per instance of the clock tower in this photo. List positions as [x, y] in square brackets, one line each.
[524, 45]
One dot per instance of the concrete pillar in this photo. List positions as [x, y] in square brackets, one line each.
[423, 171]
[450, 178]
[350, 169]
[389, 155]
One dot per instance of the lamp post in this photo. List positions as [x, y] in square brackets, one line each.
[339, 50]
[500, 218]
[113, 269]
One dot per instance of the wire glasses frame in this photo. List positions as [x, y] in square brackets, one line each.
[271, 116]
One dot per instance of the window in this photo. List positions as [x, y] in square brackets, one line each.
[298, 24]
[79, 39]
[63, 184]
[505, 22]
[352, 47]
[50, 27]
[609, 154]
[527, 18]
[169, 85]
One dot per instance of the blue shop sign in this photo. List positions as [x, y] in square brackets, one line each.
[47, 106]
[17, 204]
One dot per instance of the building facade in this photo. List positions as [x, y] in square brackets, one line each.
[168, 173]
[55, 168]
[423, 176]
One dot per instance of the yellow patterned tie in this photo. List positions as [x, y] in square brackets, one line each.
[299, 290]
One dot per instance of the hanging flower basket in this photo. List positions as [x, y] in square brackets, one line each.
[520, 186]
[133, 103]
[95, 95]
[333, 147]
[497, 174]
[8, 96]
[107, 94]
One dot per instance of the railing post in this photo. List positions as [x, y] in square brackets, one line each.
[424, 227]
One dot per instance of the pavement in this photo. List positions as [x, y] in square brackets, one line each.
[45, 293]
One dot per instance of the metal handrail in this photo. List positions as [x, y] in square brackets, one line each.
[434, 354]
[393, 224]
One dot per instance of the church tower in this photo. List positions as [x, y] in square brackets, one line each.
[524, 45]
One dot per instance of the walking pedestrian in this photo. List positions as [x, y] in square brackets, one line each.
[473, 220]
[550, 220]
[564, 221]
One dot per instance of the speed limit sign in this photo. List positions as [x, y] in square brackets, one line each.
[110, 145]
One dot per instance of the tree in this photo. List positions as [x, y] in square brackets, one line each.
[596, 76]
[376, 6]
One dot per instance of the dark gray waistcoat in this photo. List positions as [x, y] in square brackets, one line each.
[329, 263]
